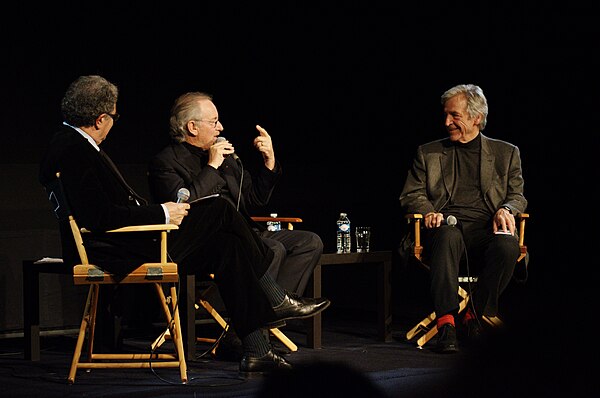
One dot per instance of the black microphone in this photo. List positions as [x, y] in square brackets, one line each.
[220, 139]
[183, 195]
[450, 220]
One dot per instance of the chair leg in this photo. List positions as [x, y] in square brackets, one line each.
[284, 339]
[93, 316]
[90, 305]
[276, 332]
[174, 326]
[426, 337]
[493, 321]
[176, 330]
[210, 309]
[421, 326]
[214, 313]
[129, 361]
[425, 324]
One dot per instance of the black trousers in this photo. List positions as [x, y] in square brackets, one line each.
[296, 256]
[215, 238]
[480, 252]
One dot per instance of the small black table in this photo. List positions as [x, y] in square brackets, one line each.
[31, 301]
[382, 260]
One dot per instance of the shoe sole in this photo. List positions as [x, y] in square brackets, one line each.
[307, 316]
[276, 325]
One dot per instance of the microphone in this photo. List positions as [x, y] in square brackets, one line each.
[220, 139]
[183, 195]
[450, 220]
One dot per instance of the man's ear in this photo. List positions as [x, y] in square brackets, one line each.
[192, 128]
[100, 120]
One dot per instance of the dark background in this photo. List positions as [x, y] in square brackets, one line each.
[346, 92]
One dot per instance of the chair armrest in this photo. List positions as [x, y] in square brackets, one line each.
[150, 227]
[522, 217]
[141, 228]
[163, 228]
[288, 220]
[416, 219]
[280, 219]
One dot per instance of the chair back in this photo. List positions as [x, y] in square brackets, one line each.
[58, 199]
[62, 211]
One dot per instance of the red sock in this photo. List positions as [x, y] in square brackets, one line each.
[468, 315]
[444, 319]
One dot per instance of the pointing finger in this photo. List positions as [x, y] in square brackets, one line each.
[262, 131]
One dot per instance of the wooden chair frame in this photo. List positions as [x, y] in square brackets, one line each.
[424, 329]
[160, 274]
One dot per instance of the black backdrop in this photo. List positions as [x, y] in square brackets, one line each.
[346, 92]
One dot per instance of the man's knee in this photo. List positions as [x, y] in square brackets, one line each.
[506, 246]
[446, 236]
[315, 242]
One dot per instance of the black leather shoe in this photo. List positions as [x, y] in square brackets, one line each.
[250, 366]
[295, 307]
[446, 341]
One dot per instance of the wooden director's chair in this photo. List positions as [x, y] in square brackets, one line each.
[162, 274]
[423, 329]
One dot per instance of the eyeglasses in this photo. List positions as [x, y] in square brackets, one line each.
[213, 122]
[115, 116]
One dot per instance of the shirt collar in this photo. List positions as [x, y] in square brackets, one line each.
[85, 135]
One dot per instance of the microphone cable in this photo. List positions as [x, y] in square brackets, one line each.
[237, 206]
[452, 221]
[470, 289]
[239, 161]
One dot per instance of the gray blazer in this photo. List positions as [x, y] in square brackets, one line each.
[430, 180]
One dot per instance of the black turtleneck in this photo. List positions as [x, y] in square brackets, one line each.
[467, 199]
[197, 151]
[201, 157]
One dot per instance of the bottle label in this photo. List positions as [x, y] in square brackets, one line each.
[273, 226]
[344, 227]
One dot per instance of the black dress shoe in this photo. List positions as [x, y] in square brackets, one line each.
[295, 307]
[251, 366]
[446, 342]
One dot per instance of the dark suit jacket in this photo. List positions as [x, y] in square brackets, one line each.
[431, 177]
[99, 199]
[175, 167]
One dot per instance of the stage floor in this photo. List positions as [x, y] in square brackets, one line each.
[397, 368]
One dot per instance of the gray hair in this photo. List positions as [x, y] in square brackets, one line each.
[185, 108]
[87, 98]
[476, 102]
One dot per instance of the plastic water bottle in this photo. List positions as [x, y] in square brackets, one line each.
[273, 225]
[344, 238]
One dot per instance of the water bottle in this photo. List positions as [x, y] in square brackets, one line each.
[273, 225]
[344, 240]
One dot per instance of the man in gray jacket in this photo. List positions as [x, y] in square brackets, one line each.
[479, 181]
